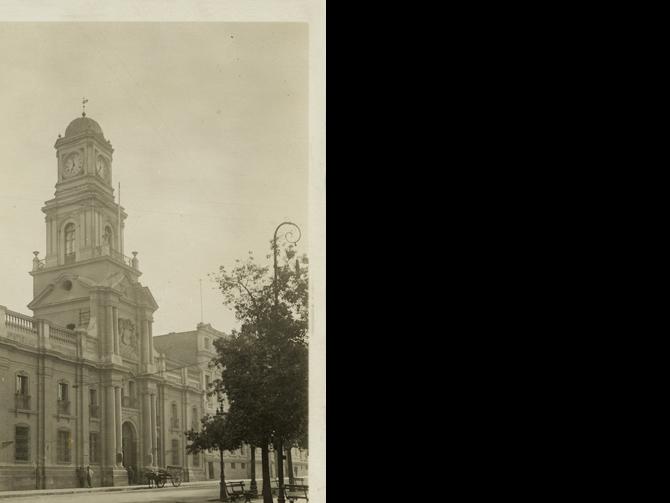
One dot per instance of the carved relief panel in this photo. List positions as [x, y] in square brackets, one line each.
[128, 335]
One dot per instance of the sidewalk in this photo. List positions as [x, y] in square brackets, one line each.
[79, 490]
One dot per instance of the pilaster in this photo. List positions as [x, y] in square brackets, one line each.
[154, 439]
[147, 458]
[117, 403]
[110, 426]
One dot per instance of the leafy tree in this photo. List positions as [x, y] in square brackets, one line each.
[264, 363]
[217, 432]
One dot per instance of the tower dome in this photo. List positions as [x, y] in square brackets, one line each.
[82, 125]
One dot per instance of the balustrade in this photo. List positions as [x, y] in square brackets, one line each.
[20, 322]
[63, 335]
[103, 251]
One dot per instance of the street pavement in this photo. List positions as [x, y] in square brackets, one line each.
[187, 493]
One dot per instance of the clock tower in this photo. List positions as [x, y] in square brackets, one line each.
[86, 282]
[85, 195]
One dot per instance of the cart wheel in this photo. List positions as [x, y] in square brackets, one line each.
[176, 481]
[160, 483]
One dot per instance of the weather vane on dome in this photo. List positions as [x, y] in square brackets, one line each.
[83, 105]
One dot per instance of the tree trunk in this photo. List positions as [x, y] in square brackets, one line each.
[223, 494]
[253, 487]
[289, 463]
[265, 467]
[280, 472]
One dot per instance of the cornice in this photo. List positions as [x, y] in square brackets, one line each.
[109, 258]
[88, 186]
[103, 143]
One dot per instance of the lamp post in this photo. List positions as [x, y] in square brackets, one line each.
[289, 237]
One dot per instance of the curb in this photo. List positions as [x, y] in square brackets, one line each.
[88, 490]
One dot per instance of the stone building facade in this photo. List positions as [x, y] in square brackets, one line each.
[83, 381]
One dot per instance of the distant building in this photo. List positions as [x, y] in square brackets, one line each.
[83, 381]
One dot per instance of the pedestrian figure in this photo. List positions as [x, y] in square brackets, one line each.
[81, 476]
[89, 475]
[131, 475]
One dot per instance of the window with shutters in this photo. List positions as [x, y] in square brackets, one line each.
[94, 447]
[174, 419]
[194, 419]
[175, 453]
[64, 447]
[94, 409]
[22, 443]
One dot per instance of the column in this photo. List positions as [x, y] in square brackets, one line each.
[150, 324]
[117, 400]
[115, 315]
[184, 426]
[84, 398]
[154, 439]
[146, 358]
[110, 433]
[91, 225]
[146, 421]
[164, 424]
[48, 222]
[82, 231]
[110, 330]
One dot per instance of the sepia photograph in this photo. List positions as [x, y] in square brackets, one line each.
[162, 261]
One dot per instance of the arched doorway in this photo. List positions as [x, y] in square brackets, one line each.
[129, 446]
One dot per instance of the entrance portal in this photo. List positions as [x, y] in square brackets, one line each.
[129, 445]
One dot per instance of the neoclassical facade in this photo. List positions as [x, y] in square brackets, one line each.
[83, 381]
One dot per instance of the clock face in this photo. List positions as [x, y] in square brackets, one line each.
[101, 167]
[73, 164]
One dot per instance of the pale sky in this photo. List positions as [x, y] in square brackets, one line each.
[209, 124]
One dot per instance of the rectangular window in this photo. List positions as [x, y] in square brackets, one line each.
[174, 419]
[94, 447]
[22, 393]
[22, 443]
[63, 401]
[64, 447]
[232, 465]
[196, 460]
[175, 453]
[243, 466]
[210, 399]
[22, 385]
[93, 407]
